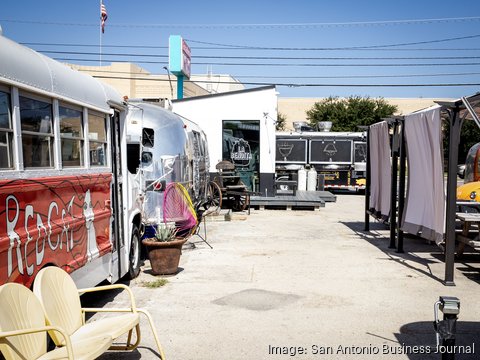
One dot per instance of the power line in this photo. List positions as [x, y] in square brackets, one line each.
[268, 57]
[347, 48]
[298, 84]
[93, 45]
[298, 77]
[261, 25]
[356, 76]
[109, 54]
[115, 61]
[283, 65]
[235, 48]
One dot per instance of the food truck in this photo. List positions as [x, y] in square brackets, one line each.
[338, 158]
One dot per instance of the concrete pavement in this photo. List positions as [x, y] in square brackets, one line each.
[305, 285]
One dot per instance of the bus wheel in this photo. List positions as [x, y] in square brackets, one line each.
[134, 256]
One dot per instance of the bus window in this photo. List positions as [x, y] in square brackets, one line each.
[71, 134]
[6, 133]
[97, 136]
[37, 133]
[133, 158]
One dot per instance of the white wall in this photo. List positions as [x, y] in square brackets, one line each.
[252, 104]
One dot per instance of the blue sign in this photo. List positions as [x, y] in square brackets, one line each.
[180, 56]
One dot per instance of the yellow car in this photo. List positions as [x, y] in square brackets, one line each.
[470, 190]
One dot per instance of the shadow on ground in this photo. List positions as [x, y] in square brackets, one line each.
[414, 246]
[422, 335]
[129, 355]
[99, 300]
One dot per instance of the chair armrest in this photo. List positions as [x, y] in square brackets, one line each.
[112, 287]
[105, 310]
[4, 334]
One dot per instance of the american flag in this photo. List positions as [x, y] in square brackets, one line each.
[103, 16]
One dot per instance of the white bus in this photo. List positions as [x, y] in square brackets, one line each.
[66, 197]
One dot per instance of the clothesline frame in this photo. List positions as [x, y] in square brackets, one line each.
[457, 111]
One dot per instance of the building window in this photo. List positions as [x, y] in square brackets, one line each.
[71, 134]
[97, 139]
[241, 146]
[6, 133]
[37, 133]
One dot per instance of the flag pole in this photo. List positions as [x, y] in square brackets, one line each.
[100, 29]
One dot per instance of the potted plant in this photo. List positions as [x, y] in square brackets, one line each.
[164, 249]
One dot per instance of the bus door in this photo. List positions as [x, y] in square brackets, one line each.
[118, 236]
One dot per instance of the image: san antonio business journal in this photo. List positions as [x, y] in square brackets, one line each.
[384, 349]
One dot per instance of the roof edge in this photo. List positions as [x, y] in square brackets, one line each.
[261, 88]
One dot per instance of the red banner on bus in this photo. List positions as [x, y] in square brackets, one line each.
[62, 221]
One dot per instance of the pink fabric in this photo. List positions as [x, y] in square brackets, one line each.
[177, 207]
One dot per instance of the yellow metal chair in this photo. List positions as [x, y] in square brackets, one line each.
[23, 332]
[61, 301]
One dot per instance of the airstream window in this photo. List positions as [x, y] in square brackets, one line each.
[197, 141]
[37, 132]
[97, 136]
[6, 133]
[147, 158]
[71, 134]
[148, 137]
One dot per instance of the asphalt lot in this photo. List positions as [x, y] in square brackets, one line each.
[305, 285]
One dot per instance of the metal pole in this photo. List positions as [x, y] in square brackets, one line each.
[367, 185]
[449, 344]
[180, 86]
[453, 141]
[169, 81]
[100, 32]
[401, 186]
[393, 190]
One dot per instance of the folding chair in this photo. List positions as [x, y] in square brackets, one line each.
[202, 219]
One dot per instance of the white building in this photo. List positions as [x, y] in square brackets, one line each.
[240, 127]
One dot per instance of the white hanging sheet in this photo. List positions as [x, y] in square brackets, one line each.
[380, 170]
[425, 205]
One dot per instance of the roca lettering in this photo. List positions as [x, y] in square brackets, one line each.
[39, 237]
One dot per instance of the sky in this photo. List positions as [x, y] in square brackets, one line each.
[307, 48]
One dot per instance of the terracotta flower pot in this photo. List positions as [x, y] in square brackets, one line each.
[164, 256]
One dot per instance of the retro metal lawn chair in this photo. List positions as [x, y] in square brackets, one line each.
[23, 332]
[60, 298]
[178, 208]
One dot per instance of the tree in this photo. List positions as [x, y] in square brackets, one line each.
[347, 114]
[469, 136]
[280, 123]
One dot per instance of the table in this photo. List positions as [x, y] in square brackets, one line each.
[470, 234]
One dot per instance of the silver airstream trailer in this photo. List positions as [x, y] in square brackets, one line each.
[165, 148]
